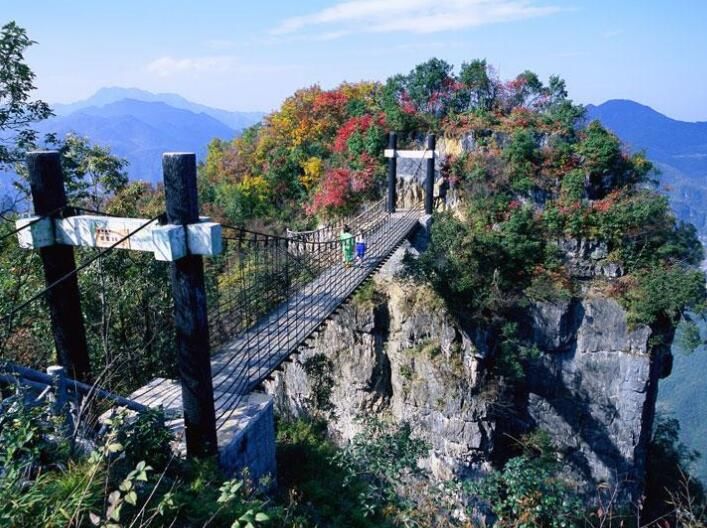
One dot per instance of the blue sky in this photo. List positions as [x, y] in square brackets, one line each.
[249, 55]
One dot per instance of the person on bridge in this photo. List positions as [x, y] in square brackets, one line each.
[347, 245]
[360, 247]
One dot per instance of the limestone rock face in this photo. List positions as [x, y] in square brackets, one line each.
[586, 259]
[399, 353]
[593, 388]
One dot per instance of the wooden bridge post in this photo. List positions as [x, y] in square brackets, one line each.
[190, 317]
[48, 195]
[392, 169]
[430, 175]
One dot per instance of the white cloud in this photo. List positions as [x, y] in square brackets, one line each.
[220, 44]
[169, 66]
[415, 16]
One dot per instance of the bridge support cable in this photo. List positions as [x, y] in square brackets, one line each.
[392, 172]
[430, 174]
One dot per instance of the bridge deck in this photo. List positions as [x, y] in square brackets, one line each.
[241, 365]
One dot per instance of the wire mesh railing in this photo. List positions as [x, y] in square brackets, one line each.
[281, 296]
[366, 220]
[266, 295]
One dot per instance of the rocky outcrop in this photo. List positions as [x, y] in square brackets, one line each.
[593, 389]
[586, 259]
[396, 351]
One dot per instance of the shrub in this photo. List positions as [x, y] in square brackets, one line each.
[522, 155]
[145, 437]
[321, 493]
[44, 483]
[662, 293]
[529, 491]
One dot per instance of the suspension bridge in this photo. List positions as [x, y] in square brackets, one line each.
[274, 291]
[304, 270]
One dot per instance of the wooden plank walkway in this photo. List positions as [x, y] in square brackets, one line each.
[244, 363]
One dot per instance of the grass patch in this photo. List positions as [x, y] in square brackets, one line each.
[368, 295]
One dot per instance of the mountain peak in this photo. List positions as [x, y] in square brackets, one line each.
[629, 109]
[112, 94]
[666, 140]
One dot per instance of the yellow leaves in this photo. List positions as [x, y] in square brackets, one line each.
[254, 186]
[452, 147]
[313, 170]
[305, 125]
[293, 123]
[365, 91]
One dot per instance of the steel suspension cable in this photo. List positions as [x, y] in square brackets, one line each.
[32, 222]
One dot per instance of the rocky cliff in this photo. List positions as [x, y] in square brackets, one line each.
[395, 350]
[593, 388]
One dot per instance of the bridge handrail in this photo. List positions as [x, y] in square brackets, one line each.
[335, 226]
[241, 383]
[17, 374]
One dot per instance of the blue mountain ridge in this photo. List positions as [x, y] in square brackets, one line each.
[141, 131]
[108, 95]
[679, 150]
[139, 126]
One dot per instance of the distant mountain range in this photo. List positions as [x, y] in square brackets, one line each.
[139, 126]
[679, 149]
[106, 96]
[141, 131]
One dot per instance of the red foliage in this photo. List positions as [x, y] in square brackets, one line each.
[359, 124]
[355, 124]
[406, 104]
[342, 188]
[515, 85]
[570, 208]
[362, 180]
[334, 192]
[521, 117]
[606, 203]
[330, 101]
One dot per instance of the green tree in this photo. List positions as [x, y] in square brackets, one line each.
[556, 89]
[17, 111]
[526, 90]
[606, 164]
[482, 88]
[91, 172]
[522, 155]
[428, 86]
